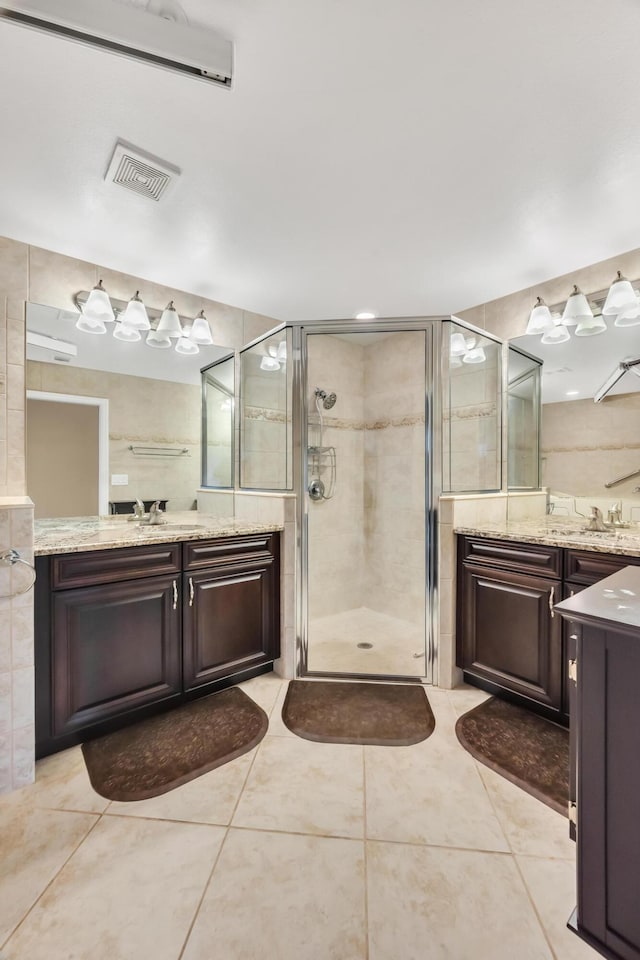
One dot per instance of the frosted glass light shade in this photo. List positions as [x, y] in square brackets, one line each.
[201, 331]
[88, 325]
[475, 355]
[169, 324]
[160, 340]
[282, 351]
[122, 331]
[589, 328]
[184, 345]
[98, 305]
[576, 308]
[269, 363]
[559, 334]
[630, 316]
[540, 319]
[458, 346]
[620, 295]
[135, 314]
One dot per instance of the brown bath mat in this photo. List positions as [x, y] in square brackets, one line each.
[392, 715]
[527, 749]
[158, 754]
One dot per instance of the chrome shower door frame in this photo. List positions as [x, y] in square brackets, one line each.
[433, 372]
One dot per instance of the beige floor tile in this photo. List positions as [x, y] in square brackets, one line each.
[277, 727]
[465, 698]
[285, 897]
[426, 903]
[264, 690]
[61, 783]
[303, 787]
[429, 793]
[531, 826]
[34, 845]
[211, 798]
[552, 885]
[129, 892]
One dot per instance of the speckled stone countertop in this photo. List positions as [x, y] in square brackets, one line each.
[78, 534]
[561, 532]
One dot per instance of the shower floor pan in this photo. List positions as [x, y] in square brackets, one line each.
[335, 644]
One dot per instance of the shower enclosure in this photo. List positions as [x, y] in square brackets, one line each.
[361, 421]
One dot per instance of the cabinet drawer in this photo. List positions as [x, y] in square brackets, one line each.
[207, 553]
[109, 566]
[534, 558]
[586, 567]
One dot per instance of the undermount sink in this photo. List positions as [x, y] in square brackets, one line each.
[171, 526]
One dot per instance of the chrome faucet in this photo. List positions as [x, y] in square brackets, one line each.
[155, 514]
[138, 511]
[614, 515]
[595, 520]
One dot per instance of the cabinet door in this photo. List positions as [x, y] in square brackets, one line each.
[231, 621]
[509, 635]
[608, 728]
[114, 647]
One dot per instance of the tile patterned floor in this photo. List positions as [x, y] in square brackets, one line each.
[295, 851]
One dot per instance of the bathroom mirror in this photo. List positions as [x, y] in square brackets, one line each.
[266, 439]
[218, 389]
[109, 421]
[586, 445]
[472, 412]
[523, 420]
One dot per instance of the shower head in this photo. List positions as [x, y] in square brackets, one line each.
[328, 399]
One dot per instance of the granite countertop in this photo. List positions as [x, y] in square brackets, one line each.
[614, 600]
[78, 534]
[560, 532]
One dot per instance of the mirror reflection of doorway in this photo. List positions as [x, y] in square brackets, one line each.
[67, 473]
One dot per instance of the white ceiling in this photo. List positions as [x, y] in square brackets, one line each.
[409, 158]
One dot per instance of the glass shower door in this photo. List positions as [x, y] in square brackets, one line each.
[365, 503]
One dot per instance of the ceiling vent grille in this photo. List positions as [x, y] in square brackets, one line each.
[141, 172]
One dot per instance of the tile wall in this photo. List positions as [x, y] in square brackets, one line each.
[394, 474]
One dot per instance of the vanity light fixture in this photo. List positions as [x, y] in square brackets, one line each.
[132, 319]
[621, 301]
[98, 305]
[540, 319]
[465, 350]
[170, 322]
[135, 314]
[276, 357]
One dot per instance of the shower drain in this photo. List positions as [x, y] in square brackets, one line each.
[364, 645]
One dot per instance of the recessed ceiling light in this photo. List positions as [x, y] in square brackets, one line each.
[572, 393]
[365, 315]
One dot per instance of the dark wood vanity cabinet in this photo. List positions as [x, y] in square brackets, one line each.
[509, 638]
[114, 647]
[510, 641]
[230, 620]
[123, 633]
[605, 732]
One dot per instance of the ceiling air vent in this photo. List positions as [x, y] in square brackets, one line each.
[141, 172]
